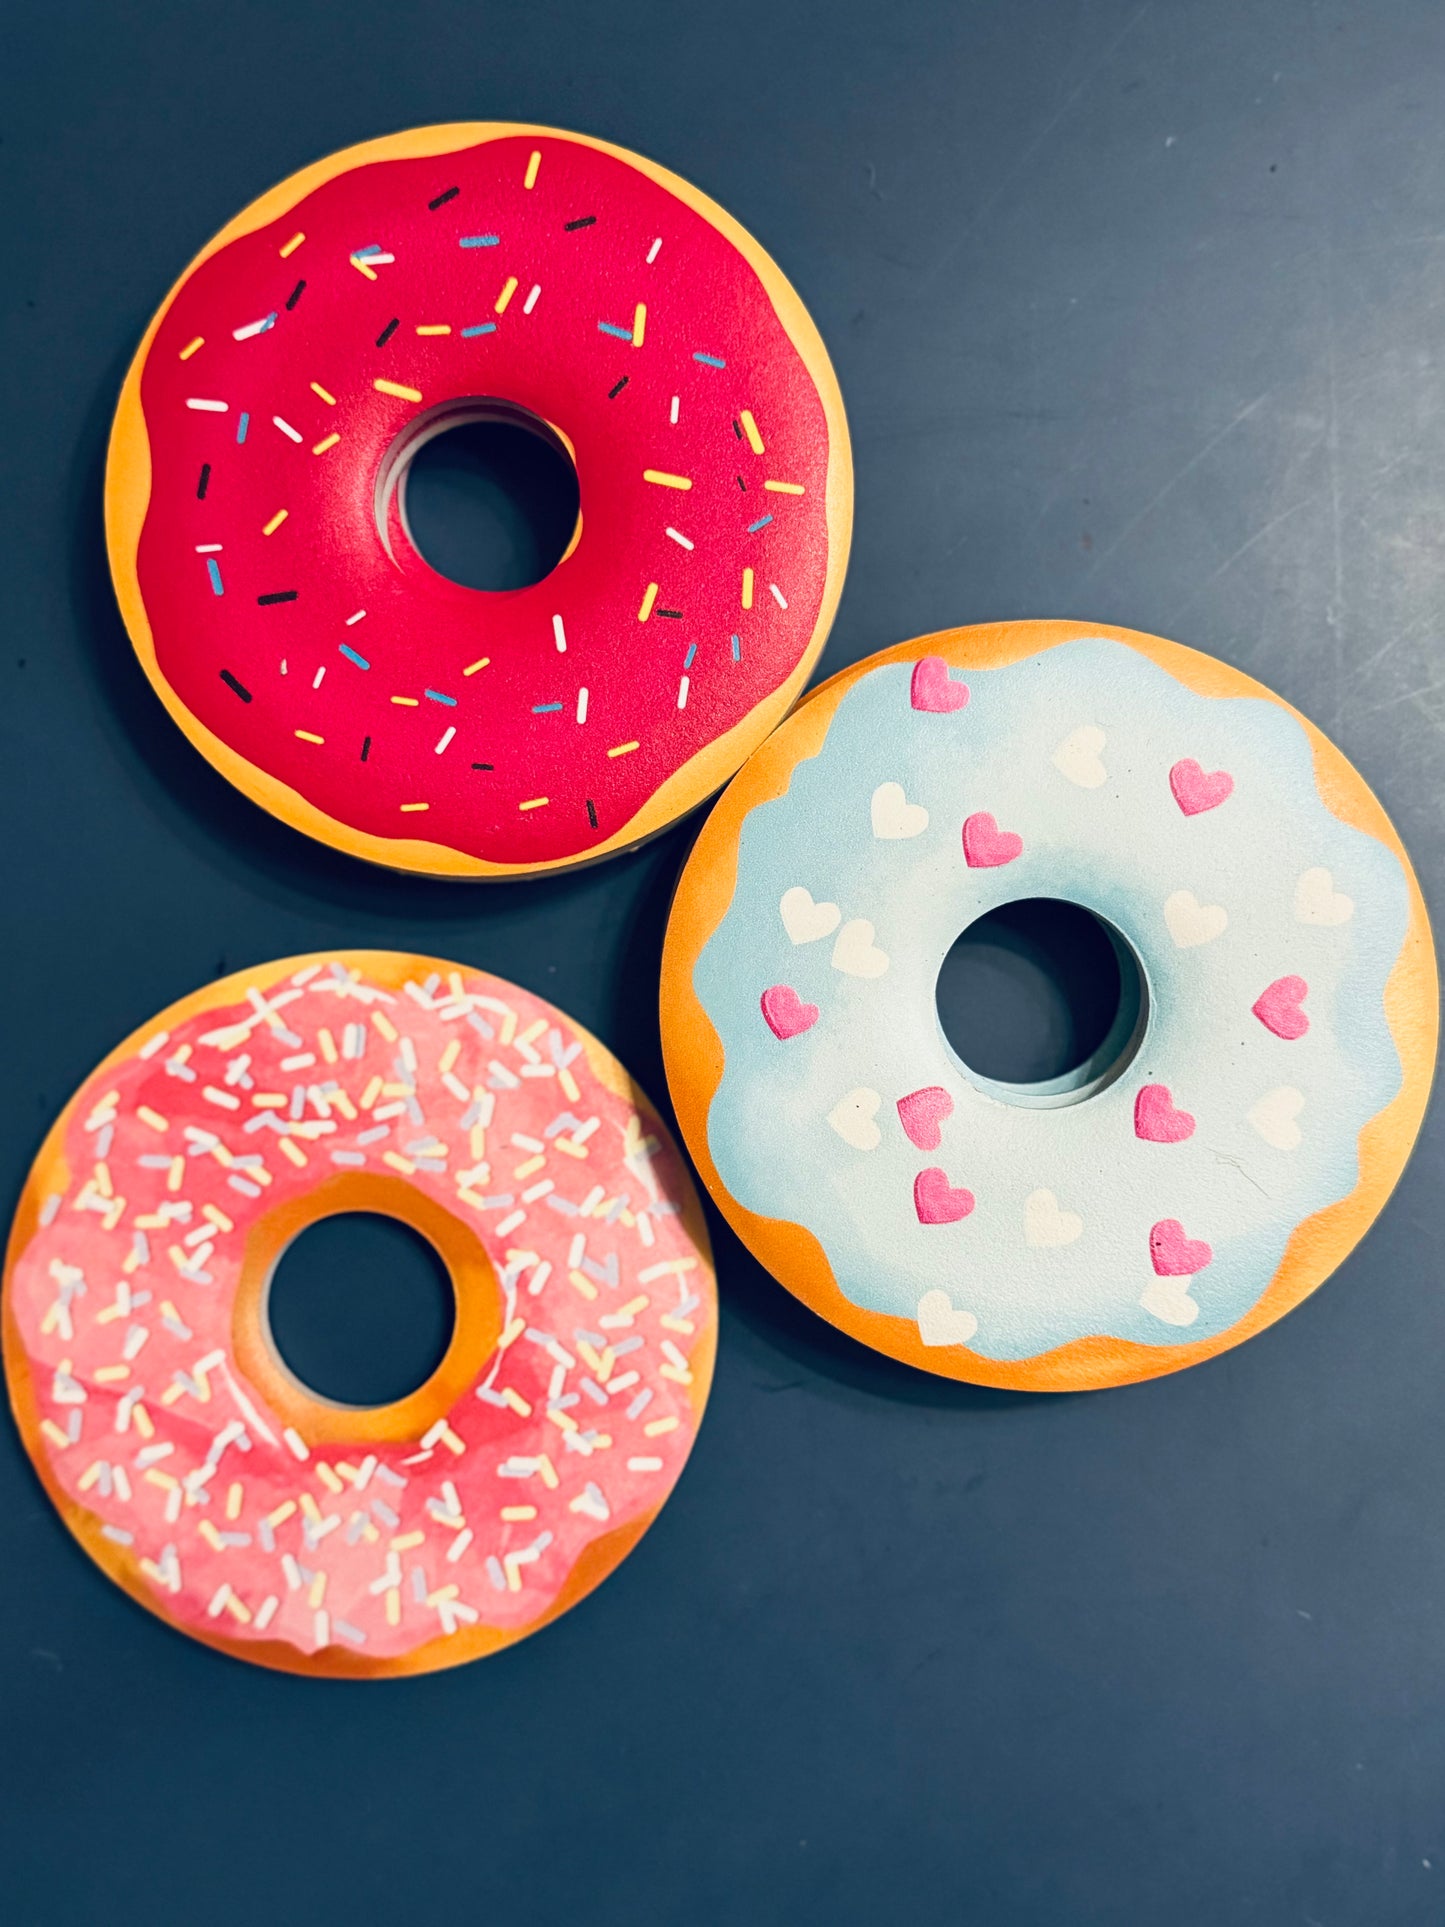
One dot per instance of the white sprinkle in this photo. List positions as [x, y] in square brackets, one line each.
[644, 1465]
[321, 1625]
[559, 635]
[777, 595]
[211, 407]
[682, 693]
[680, 538]
[316, 681]
[510, 1223]
[297, 1444]
[119, 1535]
[446, 738]
[652, 252]
[672, 415]
[356, 618]
[254, 328]
[153, 1044]
[286, 428]
[266, 1612]
[219, 1599]
[208, 548]
[582, 705]
[459, 1545]
[531, 301]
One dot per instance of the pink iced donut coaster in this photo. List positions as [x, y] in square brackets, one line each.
[257, 483]
[194, 1468]
[1223, 1146]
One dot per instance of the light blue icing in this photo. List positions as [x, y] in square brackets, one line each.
[1120, 848]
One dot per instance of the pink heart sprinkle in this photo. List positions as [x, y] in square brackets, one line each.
[1172, 1254]
[1278, 1008]
[787, 1014]
[934, 689]
[985, 845]
[1196, 789]
[1158, 1120]
[922, 1112]
[937, 1201]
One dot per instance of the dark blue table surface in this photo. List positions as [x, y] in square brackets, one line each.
[1136, 310]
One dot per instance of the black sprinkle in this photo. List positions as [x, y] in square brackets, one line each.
[737, 429]
[742, 485]
[277, 595]
[365, 748]
[586, 221]
[613, 392]
[484, 766]
[204, 482]
[448, 194]
[676, 614]
[591, 813]
[231, 683]
[388, 331]
[295, 295]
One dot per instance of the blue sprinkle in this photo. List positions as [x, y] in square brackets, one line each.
[482, 328]
[351, 655]
[242, 426]
[479, 240]
[437, 697]
[270, 321]
[360, 254]
[691, 652]
[541, 709]
[712, 361]
[761, 523]
[737, 650]
[215, 575]
[607, 328]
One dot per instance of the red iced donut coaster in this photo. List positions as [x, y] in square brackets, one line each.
[255, 499]
[199, 1473]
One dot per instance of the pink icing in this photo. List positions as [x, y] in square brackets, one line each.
[123, 1300]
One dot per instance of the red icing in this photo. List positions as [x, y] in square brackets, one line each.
[123, 1302]
[420, 631]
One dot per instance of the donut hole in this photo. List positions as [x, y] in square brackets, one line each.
[360, 1309]
[1042, 1002]
[484, 491]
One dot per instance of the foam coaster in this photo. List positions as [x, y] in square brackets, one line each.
[220, 1492]
[1221, 1151]
[256, 499]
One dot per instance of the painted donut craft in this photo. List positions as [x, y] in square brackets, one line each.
[1223, 1150]
[199, 1473]
[255, 499]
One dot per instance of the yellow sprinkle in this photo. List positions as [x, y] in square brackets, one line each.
[569, 1086]
[310, 1508]
[307, 736]
[276, 520]
[480, 663]
[384, 387]
[217, 1217]
[150, 1117]
[408, 702]
[237, 1610]
[564, 1421]
[324, 393]
[508, 290]
[414, 806]
[316, 1592]
[209, 1533]
[292, 245]
[452, 1442]
[548, 1472]
[57, 1438]
[534, 161]
[660, 1425]
[281, 1514]
[90, 1475]
[449, 1056]
[328, 1477]
[398, 1162]
[291, 1149]
[512, 1333]
[234, 1494]
[526, 1169]
[372, 1092]
[381, 1022]
[536, 803]
[267, 1101]
[622, 749]
[106, 1374]
[649, 597]
[784, 488]
[517, 1402]
[514, 1512]
[393, 1607]
[750, 429]
[434, 328]
[142, 1421]
[568, 1148]
[406, 1540]
[328, 441]
[664, 480]
[362, 268]
[442, 1594]
[175, 1177]
[328, 1045]
[581, 1283]
[162, 1479]
[639, 324]
[191, 347]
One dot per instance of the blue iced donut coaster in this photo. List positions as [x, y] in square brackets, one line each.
[1226, 1144]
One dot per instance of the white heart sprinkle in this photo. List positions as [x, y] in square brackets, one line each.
[1274, 1117]
[894, 817]
[804, 920]
[1316, 900]
[1045, 1224]
[1191, 922]
[1077, 757]
[855, 952]
[940, 1324]
[852, 1118]
[1168, 1298]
